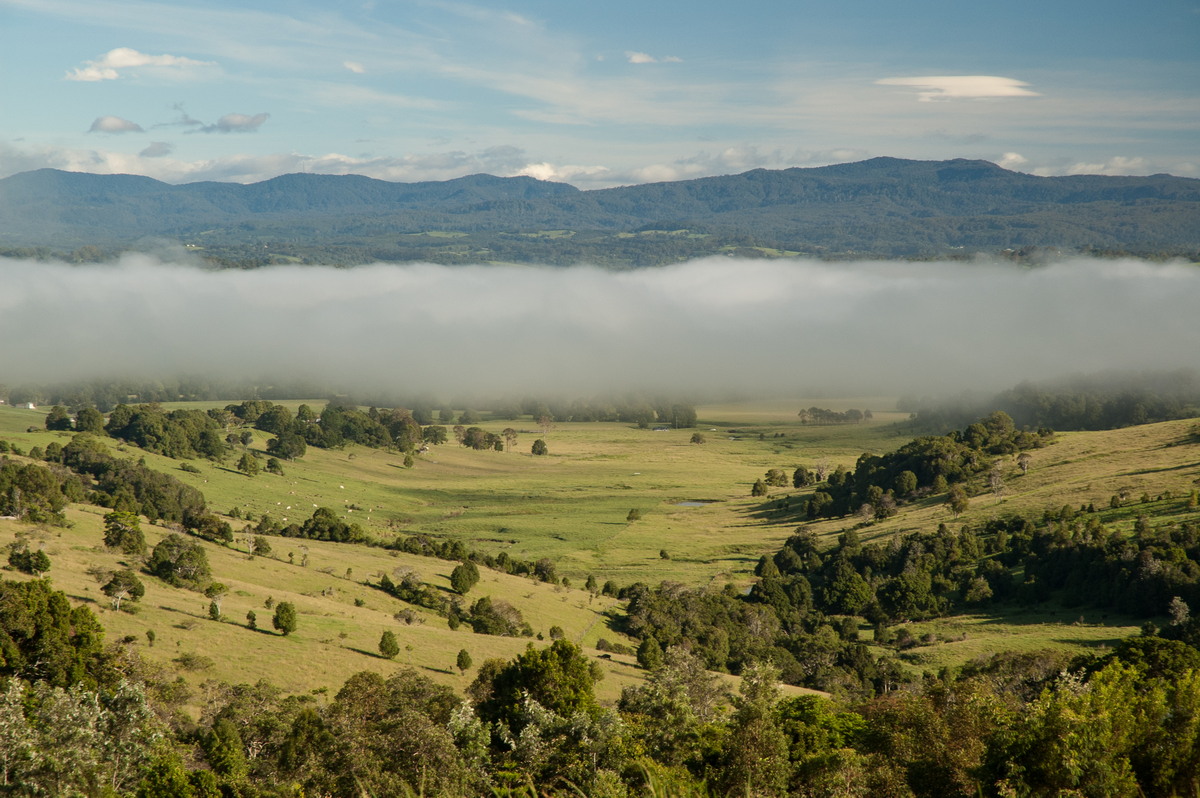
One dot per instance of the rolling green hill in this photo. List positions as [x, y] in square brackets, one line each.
[880, 207]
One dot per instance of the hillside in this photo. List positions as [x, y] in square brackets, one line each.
[880, 207]
[699, 525]
[888, 619]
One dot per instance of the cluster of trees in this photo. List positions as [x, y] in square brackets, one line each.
[1064, 556]
[821, 416]
[925, 465]
[323, 524]
[36, 493]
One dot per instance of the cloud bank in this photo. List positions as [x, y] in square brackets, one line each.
[714, 326]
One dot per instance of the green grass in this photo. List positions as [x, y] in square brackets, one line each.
[571, 506]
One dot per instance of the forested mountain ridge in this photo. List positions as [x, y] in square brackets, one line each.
[883, 206]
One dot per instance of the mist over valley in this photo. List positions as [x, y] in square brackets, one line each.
[712, 327]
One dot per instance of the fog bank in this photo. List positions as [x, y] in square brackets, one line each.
[760, 327]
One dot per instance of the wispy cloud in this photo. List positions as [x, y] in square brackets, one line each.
[114, 124]
[235, 123]
[110, 65]
[355, 67]
[157, 149]
[936, 88]
[645, 58]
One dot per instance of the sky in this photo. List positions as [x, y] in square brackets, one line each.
[594, 94]
[713, 327]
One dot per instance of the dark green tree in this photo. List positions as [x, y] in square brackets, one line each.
[558, 677]
[180, 562]
[58, 418]
[89, 419]
[539, 447]
[389, 647]
[463, 660]
[248, 464]
[285, 618]
[464, 577]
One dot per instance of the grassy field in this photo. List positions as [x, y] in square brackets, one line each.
[571, 506]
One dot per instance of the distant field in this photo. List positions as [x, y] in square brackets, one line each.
[570, 505]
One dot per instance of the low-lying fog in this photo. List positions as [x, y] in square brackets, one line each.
[759, 327]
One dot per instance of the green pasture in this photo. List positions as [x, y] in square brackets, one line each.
[572, 506]
[341, 617]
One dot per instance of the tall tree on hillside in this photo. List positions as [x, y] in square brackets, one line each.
[285, 618]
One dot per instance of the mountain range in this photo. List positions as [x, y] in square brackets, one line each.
[881, 207]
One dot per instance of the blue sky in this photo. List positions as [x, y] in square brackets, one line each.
[594, 94]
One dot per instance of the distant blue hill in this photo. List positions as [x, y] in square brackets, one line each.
[883, 206]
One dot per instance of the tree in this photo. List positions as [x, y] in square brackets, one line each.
[558, 677]
[958, 501]
[776, 478]
[389, 647]
[510, 437]
[633, 515]
[756, 759]
[463, 661]
[216, 592]
[180, 562]
[248, 464]
[123, 531]
[1023, 461]
[89, 419]
[287, 445]
[464, 577]
[260, 546]
[650, 654]
[697, 437]
[29, 562]
[906, 483]
[285, 618]
[58, 418]
[802, 477]
[123, 585]
[435, 435]
[539, 447]
[759, 488]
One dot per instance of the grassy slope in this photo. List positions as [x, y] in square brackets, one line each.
[571, 506]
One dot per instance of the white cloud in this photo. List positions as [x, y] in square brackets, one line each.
[645, 58]
[934, 88]
[561, 173]
[1117, 165]
[355, 67]
[109, 65]
[1012, 160]
[114, 124]
[236, 123]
